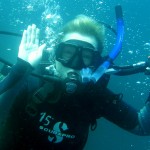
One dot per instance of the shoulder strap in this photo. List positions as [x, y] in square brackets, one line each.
[46, 93]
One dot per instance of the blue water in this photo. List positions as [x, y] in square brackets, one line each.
[17, 15]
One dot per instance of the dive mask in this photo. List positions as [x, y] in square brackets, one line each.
[77, 54]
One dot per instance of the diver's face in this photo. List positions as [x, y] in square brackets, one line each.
[69, 52]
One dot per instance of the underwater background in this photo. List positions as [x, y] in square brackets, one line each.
[50, 15]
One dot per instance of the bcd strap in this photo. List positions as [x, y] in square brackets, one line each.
[48, 92]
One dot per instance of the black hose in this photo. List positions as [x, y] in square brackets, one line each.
[10, 33]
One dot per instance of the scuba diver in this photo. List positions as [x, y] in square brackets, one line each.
[55, 109]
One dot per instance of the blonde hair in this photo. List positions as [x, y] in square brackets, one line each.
[85, 26]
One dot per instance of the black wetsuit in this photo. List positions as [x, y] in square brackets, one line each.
[60, 125]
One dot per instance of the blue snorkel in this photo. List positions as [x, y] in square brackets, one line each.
[86, 73]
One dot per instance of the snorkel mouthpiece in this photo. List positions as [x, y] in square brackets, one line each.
[85, 73]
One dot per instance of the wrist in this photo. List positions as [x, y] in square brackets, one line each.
[23, 65]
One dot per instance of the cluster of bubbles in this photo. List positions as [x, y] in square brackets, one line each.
[44, 13]
[51, 21]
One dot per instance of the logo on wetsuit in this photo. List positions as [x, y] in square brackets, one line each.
[57, 131]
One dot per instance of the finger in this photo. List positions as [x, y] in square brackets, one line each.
[29, 29]
[33, 33]
[24, 37]
[37, 36]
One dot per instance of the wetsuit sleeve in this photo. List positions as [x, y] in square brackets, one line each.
[117, 111]
[13, 84]
[17, 73]
[125, 116]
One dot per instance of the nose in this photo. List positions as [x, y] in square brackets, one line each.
[76, 63]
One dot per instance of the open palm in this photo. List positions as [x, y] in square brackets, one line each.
[29, 49]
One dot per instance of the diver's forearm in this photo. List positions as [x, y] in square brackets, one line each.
[17, 73]
[21, 67]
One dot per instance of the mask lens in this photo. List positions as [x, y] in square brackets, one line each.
[68, 52]
[87, 56]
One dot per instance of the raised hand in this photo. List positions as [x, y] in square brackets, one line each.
[29, 49]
